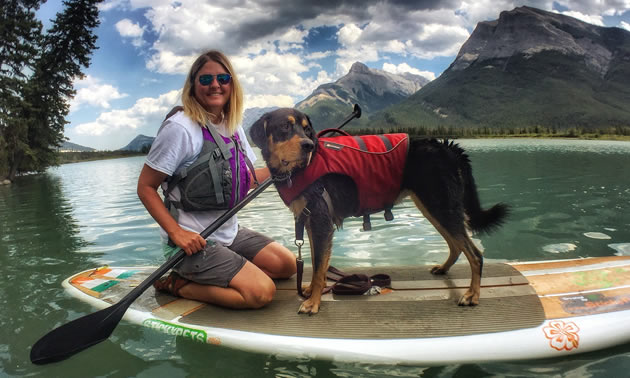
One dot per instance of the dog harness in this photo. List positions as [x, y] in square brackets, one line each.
[374, 162]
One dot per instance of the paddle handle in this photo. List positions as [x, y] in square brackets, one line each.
[179, 255]
[356, 113]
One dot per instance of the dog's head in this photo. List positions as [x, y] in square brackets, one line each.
[287, 140]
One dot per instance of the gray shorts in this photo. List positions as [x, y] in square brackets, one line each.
[216, 264]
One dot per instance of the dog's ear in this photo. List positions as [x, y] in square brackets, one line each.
[258, 131]
[309, 130]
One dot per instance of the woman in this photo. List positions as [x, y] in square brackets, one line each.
[235, 266]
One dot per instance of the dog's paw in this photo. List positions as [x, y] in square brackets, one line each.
[469, 299]
[438, 269]
[309, 307]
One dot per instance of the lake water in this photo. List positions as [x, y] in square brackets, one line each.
[569, 199]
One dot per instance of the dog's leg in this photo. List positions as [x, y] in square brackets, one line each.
[453, 255]
[454, 233]
[321, 251]
[454, 250]
[319, 227]
[475, 258]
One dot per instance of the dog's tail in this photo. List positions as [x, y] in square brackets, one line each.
[479, 220]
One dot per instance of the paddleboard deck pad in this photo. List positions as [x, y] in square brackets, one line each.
[527, 311]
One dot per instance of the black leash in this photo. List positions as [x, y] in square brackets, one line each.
[299, 242]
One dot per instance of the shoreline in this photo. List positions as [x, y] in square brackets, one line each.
[606, 137]
[83, 156]
[106, 155]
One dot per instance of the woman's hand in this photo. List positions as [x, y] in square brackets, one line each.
[148, 183]
[190, 242]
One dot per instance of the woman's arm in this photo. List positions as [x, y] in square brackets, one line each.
[148, 184]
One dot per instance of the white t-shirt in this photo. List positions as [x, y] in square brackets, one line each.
[177, 145]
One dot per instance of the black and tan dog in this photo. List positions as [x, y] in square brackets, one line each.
[437, 175]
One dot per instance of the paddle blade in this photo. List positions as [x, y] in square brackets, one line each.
[79, 334]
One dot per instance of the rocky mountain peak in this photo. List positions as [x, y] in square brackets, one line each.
[371, 88]
[528, 31]
[359, 68]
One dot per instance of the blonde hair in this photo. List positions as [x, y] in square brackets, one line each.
[233, 109]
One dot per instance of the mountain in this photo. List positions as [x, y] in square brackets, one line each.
[372, 89]
[72, 147]
[528, 68]
[139, 143]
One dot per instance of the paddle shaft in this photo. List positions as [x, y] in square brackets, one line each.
[79, 334]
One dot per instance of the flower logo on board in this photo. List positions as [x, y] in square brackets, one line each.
[561, 335]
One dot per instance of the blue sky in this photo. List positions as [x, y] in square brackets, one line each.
[282, 50]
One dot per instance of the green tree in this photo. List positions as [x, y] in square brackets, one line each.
[20, 36]
[65, 50]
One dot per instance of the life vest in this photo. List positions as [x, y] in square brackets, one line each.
[374, 162]
[217, 180]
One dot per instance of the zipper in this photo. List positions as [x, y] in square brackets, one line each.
[237, 167]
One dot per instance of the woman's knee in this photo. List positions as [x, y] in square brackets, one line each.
[276, 260]
[261, 295]
[256, 288]
[285, 266]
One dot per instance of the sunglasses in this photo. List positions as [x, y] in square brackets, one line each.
[222, 79]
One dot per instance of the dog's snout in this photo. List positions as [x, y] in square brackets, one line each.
[307, 145]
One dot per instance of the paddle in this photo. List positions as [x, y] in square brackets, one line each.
[82, 333]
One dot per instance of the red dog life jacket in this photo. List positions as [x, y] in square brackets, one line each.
[374, 162]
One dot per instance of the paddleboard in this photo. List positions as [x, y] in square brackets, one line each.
[527, 310]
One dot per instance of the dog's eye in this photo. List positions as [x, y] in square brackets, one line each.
[287, 127]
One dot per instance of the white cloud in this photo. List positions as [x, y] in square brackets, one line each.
[263, 101]
[349, 34]
[144, 112]
[422, 34]
[591, 19]
[276, 74]
[474, 11]
[600, 7]
[438, 40]
[111, 4]
[624, 25]
[404, 67]
[319, 55]
[128, 29]
[586, 10]
[91, 91]
[292, 39]
[168, 62]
